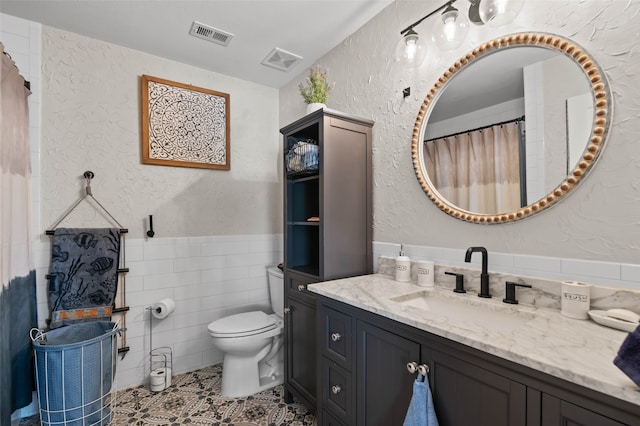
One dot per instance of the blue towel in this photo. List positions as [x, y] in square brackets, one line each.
[84, 275]
[628, 358]
[421, 411]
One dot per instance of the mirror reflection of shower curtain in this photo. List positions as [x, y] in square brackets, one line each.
[18, 288]
[478, 171]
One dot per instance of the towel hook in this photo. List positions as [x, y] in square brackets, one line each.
[150, 232]
[88, 175]
[422, 369]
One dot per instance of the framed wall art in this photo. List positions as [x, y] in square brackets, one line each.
[184, 125]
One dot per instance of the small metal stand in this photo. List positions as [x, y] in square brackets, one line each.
[160, 362]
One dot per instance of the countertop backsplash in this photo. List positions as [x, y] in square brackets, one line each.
[544, 293]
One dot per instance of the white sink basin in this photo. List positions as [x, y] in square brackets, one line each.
[465, 311]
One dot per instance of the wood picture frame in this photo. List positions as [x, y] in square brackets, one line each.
[184, 125]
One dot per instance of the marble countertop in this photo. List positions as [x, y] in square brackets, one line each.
[579, 351]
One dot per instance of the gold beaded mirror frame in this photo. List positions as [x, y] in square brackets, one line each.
[602, 106]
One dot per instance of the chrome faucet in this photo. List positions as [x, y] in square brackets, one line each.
[484, 276]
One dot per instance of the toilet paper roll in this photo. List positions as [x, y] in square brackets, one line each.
[160, 379]
[575, 300]
[163, 308]
[157, 388]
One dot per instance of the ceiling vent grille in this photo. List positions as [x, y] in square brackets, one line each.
[281, 59]
[211, 34]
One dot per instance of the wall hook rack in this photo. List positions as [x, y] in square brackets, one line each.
[120, 306]
[88, 175]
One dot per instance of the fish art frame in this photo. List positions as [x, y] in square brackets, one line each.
[184, 125]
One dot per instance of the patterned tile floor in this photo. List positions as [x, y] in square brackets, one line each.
[194, 399]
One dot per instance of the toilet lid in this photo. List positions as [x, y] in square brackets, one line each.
[243, 324]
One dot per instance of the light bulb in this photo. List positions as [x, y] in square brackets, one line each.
[450, 31]
[499, 12]
[411, 50]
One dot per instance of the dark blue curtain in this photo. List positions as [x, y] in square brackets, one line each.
[18, 314]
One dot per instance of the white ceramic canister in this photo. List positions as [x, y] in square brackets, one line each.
[403, 269]
[425, 270]
[575, 300]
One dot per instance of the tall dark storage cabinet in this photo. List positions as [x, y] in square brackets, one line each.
[327, 227]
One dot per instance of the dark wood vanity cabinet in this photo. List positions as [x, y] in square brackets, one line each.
[469, 387]
[327, 228]
[381, 387]
[466, 394]
[383, 384]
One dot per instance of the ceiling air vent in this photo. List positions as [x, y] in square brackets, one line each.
[281, 59]
[211, 34]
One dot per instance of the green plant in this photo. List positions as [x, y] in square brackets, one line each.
[317, 87]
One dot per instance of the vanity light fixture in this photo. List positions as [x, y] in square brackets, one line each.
[411, 50]
[496, 13]
[451, 29]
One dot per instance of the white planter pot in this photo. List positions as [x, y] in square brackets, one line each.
[315, 106]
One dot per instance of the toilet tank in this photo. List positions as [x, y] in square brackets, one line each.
[276, 290]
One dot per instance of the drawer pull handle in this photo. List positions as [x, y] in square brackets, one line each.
[336, 336]
[336, 389]
[413, 367]
[301, 287]
[287, 310]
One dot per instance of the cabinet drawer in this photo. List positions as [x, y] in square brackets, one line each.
[336, 390]
[296, 286]
[336, 338]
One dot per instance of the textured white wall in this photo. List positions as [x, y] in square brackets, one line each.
[91, 121]
[600, 220]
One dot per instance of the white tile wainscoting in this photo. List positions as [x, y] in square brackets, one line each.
[619, 275]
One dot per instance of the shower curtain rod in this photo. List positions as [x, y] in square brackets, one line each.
[513, 120]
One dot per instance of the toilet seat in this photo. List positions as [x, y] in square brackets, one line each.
[244, 324]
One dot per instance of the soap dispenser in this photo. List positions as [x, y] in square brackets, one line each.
[403, 266]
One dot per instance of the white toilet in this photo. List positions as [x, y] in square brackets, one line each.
[252, 345]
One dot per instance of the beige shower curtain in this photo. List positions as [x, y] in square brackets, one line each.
[477, 171]
[17, 292]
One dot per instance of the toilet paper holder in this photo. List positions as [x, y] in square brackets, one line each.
[160, 361]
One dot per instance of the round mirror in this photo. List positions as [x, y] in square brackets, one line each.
[511, 128]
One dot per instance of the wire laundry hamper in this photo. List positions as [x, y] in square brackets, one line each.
[75, 370]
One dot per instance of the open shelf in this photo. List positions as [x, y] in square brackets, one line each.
[313, 271]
